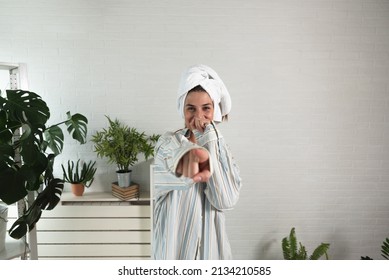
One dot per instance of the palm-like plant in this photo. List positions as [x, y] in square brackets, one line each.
[293, 252]
[385, 249]
[79, 174]
[26, 112]
[122, 144]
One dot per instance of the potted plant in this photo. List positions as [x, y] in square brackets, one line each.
[292, 252]
[122, 145]
[384, 251]
[79, 176]
[26, 164]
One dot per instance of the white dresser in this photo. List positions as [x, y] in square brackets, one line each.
[96, 225]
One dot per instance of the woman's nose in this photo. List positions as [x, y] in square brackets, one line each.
[198, 114]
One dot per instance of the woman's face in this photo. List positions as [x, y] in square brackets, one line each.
[198, 106]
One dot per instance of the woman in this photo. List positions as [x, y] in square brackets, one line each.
[195, 177]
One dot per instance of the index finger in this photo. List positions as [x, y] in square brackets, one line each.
[202, 154]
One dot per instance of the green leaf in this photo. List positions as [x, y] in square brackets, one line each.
[26, 107]
[26, 132]
[5, 131]
[46, 200]
[26, 222]
[54, 139]
[32, 173]
[293, 243]
[19, 228]
[286, 249]
[28, 174]
[12, 187]
[29, 150]
[48, 173]
[301, 253]
[77, 127]
[51, 195]
[385, 249]
[320, 251]
[6, 156]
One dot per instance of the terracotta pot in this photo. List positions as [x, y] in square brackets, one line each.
[78, 189]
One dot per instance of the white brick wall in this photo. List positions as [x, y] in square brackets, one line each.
[310, 88]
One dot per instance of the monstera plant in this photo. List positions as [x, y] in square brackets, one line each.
[26, 162]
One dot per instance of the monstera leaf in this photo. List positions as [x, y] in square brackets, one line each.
[26, 222]
[50, 196]
[46, 200]
[54, 139]
[77, 126]
[6, 156]
[6, 134]
[12, 186]
[25, 107]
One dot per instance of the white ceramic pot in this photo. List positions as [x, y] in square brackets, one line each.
[124, 179]
[3, 225]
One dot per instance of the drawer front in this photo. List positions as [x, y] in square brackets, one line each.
[98, 211]
[94, 237]
[69, 224]
[94, 250]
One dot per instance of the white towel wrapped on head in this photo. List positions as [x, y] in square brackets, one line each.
[209, 80]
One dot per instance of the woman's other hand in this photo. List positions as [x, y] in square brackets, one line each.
[199, 124]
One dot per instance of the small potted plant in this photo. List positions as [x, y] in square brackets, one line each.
[122, 145]
[79, 176]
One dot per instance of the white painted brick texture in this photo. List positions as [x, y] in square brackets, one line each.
[309, 82]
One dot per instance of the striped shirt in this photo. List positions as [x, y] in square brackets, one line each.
[189, 220]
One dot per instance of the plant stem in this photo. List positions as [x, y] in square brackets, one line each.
[9, 128]
[58, 124]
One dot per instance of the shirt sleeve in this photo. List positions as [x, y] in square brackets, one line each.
[170, 148]
[225, 183]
